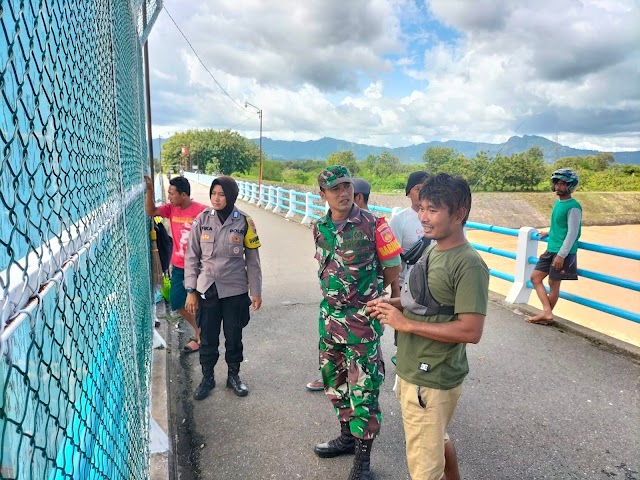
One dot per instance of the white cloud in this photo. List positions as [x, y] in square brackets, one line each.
[387, 72]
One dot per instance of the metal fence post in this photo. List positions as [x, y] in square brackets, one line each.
[527, 247]
[307, 210]
[269, 204]
[278, 207]
[260, 193]
[292, 205]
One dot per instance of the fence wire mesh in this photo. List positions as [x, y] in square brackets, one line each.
[75, 297]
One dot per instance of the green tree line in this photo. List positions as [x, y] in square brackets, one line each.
[209, 151]
[229, 153]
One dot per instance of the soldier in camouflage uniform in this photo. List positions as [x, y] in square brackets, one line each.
[358, 256]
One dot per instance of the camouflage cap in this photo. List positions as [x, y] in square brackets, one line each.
[334, 175]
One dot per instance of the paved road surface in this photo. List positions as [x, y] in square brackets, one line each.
[537, 404]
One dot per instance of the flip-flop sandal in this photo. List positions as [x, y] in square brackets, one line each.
[315, 386]
[191, 347]
[541, 322]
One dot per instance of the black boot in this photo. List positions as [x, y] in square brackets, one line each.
[206, 385]
[344, 444]
[233, 381]
[362, 462]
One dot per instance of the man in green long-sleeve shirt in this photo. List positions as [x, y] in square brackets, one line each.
[559, 262]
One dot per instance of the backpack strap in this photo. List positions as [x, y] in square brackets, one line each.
[443, 309]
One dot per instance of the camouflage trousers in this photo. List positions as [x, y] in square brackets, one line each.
[353, 374]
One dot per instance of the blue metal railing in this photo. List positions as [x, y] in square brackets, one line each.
[271, 198]
[597, 276]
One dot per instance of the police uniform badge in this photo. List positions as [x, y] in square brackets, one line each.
[251, 239]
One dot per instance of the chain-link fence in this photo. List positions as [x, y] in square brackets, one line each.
[75, 297]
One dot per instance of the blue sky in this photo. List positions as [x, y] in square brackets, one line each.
[400, 72]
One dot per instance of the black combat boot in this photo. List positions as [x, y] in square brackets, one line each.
[233, 381]
[206, 385]
[362, 462]
[344, 444]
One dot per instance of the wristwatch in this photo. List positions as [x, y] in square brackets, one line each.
[191, 290]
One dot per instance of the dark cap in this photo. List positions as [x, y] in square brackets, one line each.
[334, 175]
[361, 186]
[414, 179]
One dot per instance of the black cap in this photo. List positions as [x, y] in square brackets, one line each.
[414, 179]
[361, 186]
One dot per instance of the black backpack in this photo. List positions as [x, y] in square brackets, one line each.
[165, 244]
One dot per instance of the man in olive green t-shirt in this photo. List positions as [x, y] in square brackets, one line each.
[443, 304]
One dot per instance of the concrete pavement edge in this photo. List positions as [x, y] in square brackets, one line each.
[160, 457]
[596, 338]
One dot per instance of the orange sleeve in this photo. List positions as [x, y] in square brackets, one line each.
[386, 243]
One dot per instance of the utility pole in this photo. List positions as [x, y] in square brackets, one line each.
[186, 157]
[260, 167]
[147, 90]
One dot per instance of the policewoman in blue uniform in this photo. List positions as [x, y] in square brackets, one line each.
[223, 278]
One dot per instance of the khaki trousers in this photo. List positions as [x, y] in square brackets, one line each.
[425, 427]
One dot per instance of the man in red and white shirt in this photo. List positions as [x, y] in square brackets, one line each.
[181, 212]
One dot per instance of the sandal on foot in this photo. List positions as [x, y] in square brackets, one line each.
[315, 386]
[191, 347]
[542, 321]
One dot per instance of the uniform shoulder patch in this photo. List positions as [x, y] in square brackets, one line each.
[386, 243]
[251, 239]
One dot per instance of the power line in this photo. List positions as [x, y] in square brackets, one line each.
[245, 120]
[200, 60]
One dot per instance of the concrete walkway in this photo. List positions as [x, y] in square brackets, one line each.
[538, 402]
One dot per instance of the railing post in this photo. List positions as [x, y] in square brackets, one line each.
[307, 210]
[260, 193]
[253, 198]
[292, 205]
[527, 247]
[269, 204]
[278, 207]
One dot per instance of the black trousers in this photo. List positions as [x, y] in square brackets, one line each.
[232, 313]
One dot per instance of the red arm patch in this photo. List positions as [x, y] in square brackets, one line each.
[386, 243]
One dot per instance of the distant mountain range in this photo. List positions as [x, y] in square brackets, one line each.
[320, 149]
